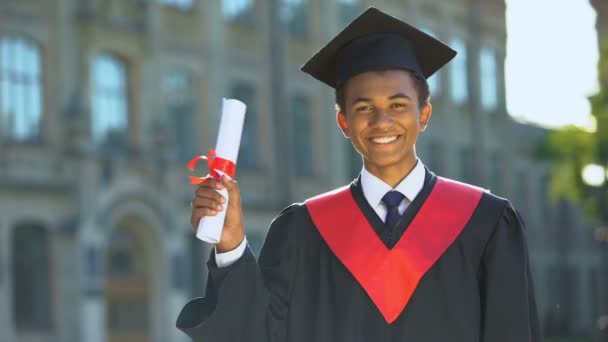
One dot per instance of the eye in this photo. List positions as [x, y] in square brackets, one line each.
[363, 108]
[399, 105]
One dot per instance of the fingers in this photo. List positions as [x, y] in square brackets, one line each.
[205, 202]
[209, 193]
[211, 183]
[231, 185]
[198, 214]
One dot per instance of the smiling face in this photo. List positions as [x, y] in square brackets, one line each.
[382, 117]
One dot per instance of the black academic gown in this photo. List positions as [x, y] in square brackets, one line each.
[480, 289]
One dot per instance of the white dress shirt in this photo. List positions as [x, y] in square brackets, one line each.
[373, 190]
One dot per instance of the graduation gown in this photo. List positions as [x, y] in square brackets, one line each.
[479, 289]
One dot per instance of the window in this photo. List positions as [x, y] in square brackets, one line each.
[178, 271]
[197, 263]
[466, 162]
[127, 316]
[93, 282]
[295, 14]
[543, 197]
[488, 73]
[435, 157]
[458, 72]
[302, 135]
[20, 89]
[435, 80]
[239, 10]
[248, 150]
[347, 11]
[496, 173]
[31, 290]
[179, 99]
[522, 188]
[256, 242]
[354, 161]
[109, 110]
[121, 255]
[181, 4]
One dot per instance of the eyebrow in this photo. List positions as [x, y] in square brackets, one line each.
[400, 96]
[393, 97]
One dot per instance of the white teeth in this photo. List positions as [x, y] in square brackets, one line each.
[384, 140]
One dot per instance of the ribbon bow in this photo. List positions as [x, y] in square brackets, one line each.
[216, 165]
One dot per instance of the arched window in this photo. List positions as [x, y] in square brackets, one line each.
[242, 11]
[295, 14]
[488, 71]
[246, 92]
[458, 72]
[302, 135]
[435, 80]
[122, 262]
[347, 10]
[127, 286]
[109, 105]
[180, 108]
[197, 258]
[20, 89]
[31, 278]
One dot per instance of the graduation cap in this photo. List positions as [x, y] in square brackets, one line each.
[377, 41]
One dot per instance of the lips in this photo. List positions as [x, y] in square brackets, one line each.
[384, 140]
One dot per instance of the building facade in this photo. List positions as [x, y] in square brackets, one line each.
[103, 102]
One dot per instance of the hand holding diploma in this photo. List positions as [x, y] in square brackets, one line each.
[216, 206]
[208, 202]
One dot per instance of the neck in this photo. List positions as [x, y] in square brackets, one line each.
[393, 174]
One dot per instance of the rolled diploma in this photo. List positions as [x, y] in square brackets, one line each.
[227, 147]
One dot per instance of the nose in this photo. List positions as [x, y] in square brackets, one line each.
[381, 118]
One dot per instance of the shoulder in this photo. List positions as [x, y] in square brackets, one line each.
[329, 195]
[491, 206]
[297, 216]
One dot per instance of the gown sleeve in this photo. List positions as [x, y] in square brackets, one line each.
[248, 300]
[509, 312]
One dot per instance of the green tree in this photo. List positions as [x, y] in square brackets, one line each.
[570, 148]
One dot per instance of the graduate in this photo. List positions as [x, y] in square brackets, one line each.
[398, 255]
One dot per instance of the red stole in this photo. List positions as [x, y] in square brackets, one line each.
[390, 276]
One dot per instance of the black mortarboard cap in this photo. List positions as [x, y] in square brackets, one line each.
[377, 41]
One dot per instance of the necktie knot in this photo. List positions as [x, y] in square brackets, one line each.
[392, 199]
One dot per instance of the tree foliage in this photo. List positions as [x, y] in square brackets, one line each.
[571, 148]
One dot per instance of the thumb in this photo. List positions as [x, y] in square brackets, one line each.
[229, 183]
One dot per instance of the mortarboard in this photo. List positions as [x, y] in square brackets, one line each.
[377, 41]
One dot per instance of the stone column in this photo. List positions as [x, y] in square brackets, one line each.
[93, 309]
[6, 305]
[177, 296]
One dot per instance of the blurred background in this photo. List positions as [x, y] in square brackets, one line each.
[103, 102]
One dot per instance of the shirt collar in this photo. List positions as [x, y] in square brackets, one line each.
[374, 188]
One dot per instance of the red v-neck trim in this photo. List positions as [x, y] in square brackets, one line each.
[390, 276]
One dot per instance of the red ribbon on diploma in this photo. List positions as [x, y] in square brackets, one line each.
[215, 164]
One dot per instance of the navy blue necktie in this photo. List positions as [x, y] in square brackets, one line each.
[391, 200]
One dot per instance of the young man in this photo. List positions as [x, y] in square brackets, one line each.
[400, 254]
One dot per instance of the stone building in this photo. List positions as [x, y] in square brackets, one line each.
[102, 103]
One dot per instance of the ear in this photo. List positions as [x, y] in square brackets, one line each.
[425, 116]
[341, 118]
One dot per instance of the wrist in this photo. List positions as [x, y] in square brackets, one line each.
[227, 246]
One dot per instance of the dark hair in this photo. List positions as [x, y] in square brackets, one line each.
[422, 88]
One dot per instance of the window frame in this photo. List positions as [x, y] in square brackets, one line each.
[488, 78]
[250, 126]
[31, 83]
[459, 76]
[182, 5]
[120, 96]
[40, 322]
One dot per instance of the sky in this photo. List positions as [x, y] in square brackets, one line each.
[551, 65]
